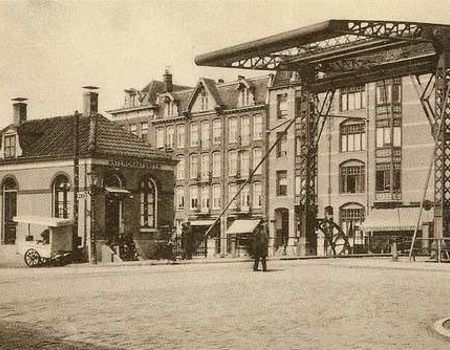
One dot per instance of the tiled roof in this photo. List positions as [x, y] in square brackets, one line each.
[54, 137]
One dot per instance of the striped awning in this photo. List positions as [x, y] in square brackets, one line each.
[396, 219]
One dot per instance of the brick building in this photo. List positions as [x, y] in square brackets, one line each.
[125, 186]
[373, 160]
[216, 130]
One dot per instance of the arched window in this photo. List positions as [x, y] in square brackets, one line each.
[61, 188]
[352, 177]
[148, 203]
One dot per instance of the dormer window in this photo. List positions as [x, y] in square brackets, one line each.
[204, 100]
[244, 97]
[10, 146]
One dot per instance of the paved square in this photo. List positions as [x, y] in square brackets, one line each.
[315, 304]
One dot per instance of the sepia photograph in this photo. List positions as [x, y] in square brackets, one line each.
[234, 174]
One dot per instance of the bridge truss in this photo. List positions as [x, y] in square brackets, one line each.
[340, 53]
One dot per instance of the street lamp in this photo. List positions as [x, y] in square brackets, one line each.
[93, 190]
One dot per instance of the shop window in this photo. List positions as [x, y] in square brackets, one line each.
[61, 189]
[353, 137]
[352, 178]
[148, 203]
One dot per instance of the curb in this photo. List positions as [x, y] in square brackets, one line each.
[441, 329]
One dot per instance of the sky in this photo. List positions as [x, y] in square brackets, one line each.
[49, 50]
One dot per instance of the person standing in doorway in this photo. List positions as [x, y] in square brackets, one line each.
[260, 247]
[187, 240]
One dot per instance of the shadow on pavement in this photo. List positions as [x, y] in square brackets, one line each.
[14, 336]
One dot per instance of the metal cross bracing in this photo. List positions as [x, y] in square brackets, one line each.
[341, 53]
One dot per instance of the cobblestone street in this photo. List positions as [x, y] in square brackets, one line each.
[314, 304]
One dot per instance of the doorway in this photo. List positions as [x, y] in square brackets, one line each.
[113, 218]
[9, 210]
[281, 228]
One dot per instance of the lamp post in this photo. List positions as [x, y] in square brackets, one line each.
[93, 189]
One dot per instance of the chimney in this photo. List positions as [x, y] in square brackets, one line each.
[220, 80]
[19, 110]
[90, 100]
[167, 80]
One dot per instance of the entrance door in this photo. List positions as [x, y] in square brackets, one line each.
[9, 211]
[113, 218]
[281, 227]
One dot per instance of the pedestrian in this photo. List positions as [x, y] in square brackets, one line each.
[260, 246]
[187, 240]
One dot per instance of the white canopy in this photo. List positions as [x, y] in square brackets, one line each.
[243, 226]
[43, 221]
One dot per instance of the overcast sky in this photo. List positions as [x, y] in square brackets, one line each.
[50, 49]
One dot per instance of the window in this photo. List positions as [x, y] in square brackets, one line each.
[180, 198]
[170, 136]
[61, 188]
[205, 198]
[181, 138]
[298, 185]
[232, 130]
[257, 156]
[282, 183]
[205, 165]
[352, 98]
[205, 135]
[133, 129]
[204, 100]
[244, 98]
[351, 216]
[385, 134]
[217, 131]
[281, 145]
[245, 131]
[245, 198]
[10, 146]
[193, 166]
[9, 210]
[384, 177]
[194, 135]
[144, 130]
[194, 197]
[387, 91]
[257, 195]
[169, 110]
[148, 203]
[245, 163]
[232, 190]
[353, 137]
[257, 127]
[180, 168]
[232, 163]
[352, 178]
[159, 138]
[217, 164]
[217, 196]
[282, 110]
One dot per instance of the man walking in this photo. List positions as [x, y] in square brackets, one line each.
[260, 246]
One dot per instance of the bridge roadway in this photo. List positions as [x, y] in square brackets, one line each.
[313, 304]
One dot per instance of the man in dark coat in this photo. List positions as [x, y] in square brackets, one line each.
[260, 246]
[187, 240]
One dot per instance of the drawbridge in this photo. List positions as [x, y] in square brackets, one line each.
[337, 54]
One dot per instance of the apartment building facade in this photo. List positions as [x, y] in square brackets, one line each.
[216, 131]
[373, 160]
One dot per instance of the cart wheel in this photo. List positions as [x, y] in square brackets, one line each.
[32, 258]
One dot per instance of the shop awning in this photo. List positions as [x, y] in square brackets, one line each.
[396, 219]
[116, 190]
[43, 221]
[202, 222]
[242, 226]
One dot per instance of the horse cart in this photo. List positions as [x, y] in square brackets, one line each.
[45, 241]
